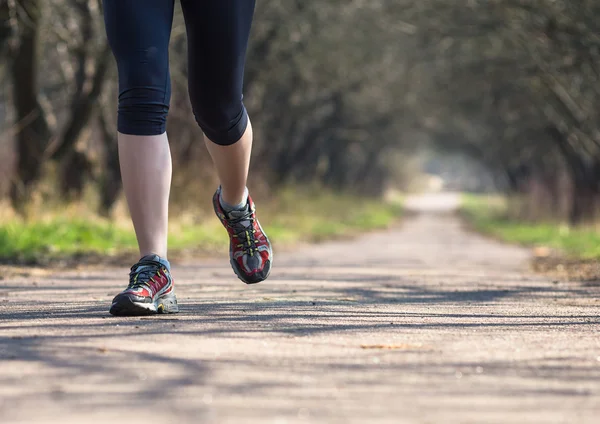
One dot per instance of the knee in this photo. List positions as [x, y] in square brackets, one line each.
[223, 124]
[144, 96]
[142, 111]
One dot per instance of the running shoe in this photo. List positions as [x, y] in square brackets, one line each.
[250, 252]
[150, 290]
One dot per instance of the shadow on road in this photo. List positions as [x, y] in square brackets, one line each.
[454, 294]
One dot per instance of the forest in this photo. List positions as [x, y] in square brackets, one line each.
[342, 93]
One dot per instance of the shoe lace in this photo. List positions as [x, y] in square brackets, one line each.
[244, 233]
[142, 272]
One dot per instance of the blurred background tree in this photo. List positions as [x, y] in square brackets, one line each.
[345, 93]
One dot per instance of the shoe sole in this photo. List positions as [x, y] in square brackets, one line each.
[123, 306]
[243, 279]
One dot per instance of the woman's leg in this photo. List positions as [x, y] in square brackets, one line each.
[232, 163]
[218, 32]
[139, 32]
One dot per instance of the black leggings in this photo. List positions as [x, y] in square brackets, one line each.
[139, 31]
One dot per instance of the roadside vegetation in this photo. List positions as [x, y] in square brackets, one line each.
[559, 249]
[292, 216]
[490, 215]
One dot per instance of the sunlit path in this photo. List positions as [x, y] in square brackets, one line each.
[425, 323]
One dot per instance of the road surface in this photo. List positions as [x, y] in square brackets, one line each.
[424, 323]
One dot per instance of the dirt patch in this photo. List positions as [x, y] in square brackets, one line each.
[562, 268]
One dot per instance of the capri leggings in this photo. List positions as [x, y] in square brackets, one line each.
[217, 32]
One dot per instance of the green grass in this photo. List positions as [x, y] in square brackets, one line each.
[61, 236]
[319, 215]
[289, 218]
[489, 216]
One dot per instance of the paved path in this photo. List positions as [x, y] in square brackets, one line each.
[425, 323]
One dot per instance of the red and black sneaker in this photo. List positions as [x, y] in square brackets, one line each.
[150, 290]
[250, 251]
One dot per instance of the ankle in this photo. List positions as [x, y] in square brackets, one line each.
[236, 204]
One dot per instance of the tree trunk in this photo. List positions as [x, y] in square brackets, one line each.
[110, 183]
[6, 29]
[33, 134]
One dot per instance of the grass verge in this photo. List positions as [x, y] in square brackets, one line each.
[488, 215]
[290, 217]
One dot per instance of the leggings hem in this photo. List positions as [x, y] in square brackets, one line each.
[232, 135]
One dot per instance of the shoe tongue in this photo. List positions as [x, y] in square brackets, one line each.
[154, 258]
[237, 214]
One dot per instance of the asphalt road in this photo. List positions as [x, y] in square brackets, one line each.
[423, 323]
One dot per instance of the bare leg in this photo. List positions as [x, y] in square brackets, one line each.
[232, 163]
[146, 173]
